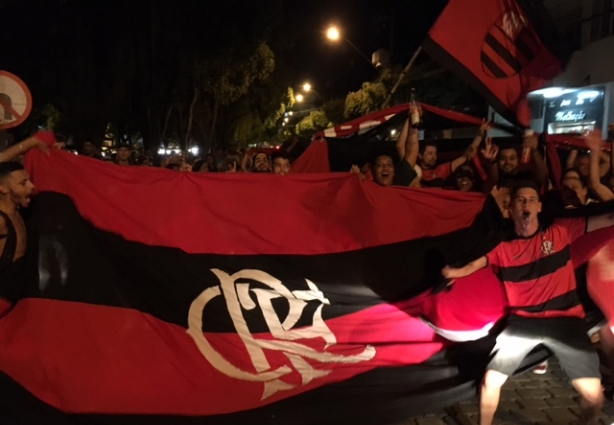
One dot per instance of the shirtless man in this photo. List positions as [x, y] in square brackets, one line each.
[15, 191]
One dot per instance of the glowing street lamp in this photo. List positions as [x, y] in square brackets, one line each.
[333, 33]
[299, 97]
[306, 87]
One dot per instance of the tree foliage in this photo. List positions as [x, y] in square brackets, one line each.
[369, 98]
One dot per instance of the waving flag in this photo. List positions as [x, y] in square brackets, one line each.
[155, 297]
[358, 141]
[505, 51]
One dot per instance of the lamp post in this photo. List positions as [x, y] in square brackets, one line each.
[308, 88]
[334, 34]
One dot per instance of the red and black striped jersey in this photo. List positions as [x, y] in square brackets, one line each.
[537, 271]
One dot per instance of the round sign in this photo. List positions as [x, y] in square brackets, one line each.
[15, 101]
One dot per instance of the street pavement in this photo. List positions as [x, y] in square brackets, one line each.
[526, 399]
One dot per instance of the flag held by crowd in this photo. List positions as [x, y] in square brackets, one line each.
[508, 48]
[243, 299]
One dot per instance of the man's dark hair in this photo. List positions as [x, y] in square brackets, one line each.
[198, 165]
[258, 153]
[425, 143]
[8, 167]
[507, 146]
[280, 154]
[523, 184]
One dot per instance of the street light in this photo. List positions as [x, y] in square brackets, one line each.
[306, 87]
[299, 97]
[334, 34]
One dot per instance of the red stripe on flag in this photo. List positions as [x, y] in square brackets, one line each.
[200, 213]
[82, 358]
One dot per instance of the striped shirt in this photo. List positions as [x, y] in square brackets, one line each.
[537, 271]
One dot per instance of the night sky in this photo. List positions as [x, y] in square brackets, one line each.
[398, 26]
[101, 61]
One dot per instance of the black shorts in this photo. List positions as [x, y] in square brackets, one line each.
[566, 337]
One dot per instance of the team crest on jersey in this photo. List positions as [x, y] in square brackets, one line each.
[548, 247]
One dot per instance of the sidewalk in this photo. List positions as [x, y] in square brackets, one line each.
[526, 399]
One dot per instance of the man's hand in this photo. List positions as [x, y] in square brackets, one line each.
[530, 142]
[38, 144]
[490, 150]
[593, 140]
[485, 127]
[233, 167]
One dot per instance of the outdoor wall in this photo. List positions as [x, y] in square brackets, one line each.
[591, 65]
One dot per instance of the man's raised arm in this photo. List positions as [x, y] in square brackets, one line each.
[21, 148]
[469, 269]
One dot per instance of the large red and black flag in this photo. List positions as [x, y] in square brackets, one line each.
[504, 49]
[151, 296]
[359, 141]
[154, 296]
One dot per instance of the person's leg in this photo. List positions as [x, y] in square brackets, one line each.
[517, 340]
[592, 396]
[606, 336]
[569, 342]
[490, 392]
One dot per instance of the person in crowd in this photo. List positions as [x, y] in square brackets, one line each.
[200, 166]
[581, 162]
[434, 176]
[464, 178]
[538, 277]
[89, 149]
[261, 163]
[211, 164]
[281, 162]
[388, 171]
[15, 192]
[573, 179]
[60, 143]
[505, 166]
[123, 156]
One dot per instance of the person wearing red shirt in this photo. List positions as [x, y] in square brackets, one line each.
[538, 277]
[435, 176]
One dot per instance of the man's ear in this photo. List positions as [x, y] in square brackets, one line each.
[4, 190]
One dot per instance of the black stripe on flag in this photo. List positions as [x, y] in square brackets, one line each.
[492, 66]
[505, 55]
[525, 45]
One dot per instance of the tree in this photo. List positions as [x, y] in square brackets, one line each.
[369, 98]
[315, 121]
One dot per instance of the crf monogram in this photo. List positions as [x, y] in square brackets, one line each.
[237, 297]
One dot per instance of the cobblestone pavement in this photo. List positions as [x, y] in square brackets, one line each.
[526, 399]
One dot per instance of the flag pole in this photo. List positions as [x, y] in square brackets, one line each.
[403, 73]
